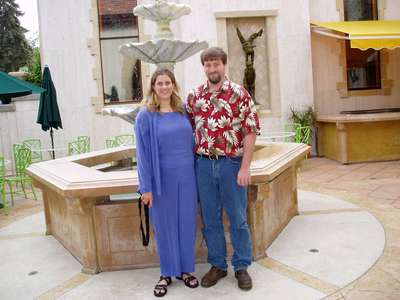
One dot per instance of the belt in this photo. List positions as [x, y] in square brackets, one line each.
[211, 157]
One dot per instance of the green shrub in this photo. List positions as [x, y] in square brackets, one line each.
[303, 117]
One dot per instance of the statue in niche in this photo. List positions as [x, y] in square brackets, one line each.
[248, 46]
[249, 80]
[136, 82]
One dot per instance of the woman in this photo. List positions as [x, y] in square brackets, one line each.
[167, 179]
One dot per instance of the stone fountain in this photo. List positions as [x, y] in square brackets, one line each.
[163, 50]
[78, 201]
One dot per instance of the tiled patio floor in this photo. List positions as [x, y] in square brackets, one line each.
[365, 188]
[374, 187]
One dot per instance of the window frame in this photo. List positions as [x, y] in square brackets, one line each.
[378, 73]
[100, 39]
[375, 11]
[386, 83]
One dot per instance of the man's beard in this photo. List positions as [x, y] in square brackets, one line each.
[214, 79]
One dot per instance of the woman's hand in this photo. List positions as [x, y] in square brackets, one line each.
[147, 198]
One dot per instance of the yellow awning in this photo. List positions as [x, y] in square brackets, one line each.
[363, 34]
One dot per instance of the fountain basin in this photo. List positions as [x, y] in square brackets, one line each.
[104, 234]
[162, 10]
[164, 52]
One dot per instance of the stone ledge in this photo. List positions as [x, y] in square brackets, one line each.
[32, 97]
[7, 107]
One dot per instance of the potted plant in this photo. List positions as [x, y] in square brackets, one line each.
[303, 124]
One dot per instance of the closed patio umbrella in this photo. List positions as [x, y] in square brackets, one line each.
[49, 114]
[11, 87]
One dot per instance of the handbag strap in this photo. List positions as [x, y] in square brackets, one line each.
[145, 235]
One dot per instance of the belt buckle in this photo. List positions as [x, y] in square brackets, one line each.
[213, 156]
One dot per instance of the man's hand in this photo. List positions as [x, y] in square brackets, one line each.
[243, 177]
[147, 198]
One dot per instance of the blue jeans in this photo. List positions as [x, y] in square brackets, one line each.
[218, 189]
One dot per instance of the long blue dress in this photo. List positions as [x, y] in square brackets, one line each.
[164, 151]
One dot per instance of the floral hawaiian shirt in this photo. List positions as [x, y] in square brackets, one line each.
[222, 118]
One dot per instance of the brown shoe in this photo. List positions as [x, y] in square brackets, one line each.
[212, 276]
[244, 280]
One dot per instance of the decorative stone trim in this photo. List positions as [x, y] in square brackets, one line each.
[246, 13]
[272, 51]
[340, 9]
[94, 48]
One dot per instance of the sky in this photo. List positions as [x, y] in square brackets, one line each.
[30, 20]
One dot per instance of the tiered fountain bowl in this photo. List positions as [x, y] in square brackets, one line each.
[163, 51]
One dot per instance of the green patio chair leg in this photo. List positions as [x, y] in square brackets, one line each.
[6, 210]
[4, 200]
[33, 191]
[23, 189]
[11, 193]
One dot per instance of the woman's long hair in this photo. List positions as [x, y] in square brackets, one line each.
[152, 102]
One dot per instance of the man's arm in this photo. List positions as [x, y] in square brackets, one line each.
[243, 177]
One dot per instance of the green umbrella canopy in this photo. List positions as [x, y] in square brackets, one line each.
[48, 115]
[11, 87]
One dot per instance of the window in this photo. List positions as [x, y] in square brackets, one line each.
[121, 76]
[363, 67]
[358, 10]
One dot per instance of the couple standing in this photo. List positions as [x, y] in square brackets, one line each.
[225, 123]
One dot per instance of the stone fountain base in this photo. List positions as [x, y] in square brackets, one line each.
[104, 235]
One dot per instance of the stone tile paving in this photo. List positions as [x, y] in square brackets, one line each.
[376, 188]
[22, 209]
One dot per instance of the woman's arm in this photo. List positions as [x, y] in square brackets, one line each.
[143, 156]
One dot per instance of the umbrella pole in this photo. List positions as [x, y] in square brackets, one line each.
[52, 142]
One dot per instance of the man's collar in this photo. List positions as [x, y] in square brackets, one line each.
[224, 87]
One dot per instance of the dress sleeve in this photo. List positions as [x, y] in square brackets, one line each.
[143, 152]
[248, 113]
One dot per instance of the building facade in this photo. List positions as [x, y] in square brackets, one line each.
[295, 68]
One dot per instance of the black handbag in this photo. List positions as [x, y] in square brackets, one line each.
[145, 235]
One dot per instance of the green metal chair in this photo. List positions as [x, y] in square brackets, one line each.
[3, 184]
[86, 140]
[15, 150]
[23, 159]
[76, 147]
[110, 143]
[124, 140]
[34, 144]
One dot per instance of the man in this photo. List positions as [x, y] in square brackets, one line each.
[226, 123]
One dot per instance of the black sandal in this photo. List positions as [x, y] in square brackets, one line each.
[190, 281]
[160, 289]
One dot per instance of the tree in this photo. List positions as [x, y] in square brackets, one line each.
[15, 50]
[35, 68]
